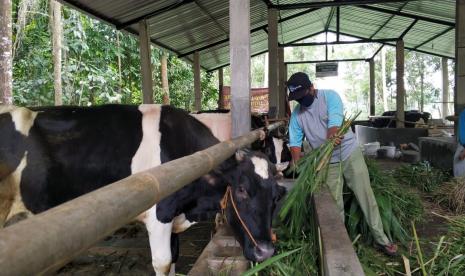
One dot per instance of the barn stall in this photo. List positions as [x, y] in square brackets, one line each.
[400, 23]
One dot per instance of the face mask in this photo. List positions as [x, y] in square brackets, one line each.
[306, 100]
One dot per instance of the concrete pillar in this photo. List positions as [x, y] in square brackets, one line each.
[273, 66]
[197, 90]
[164, 79]
[460, 57]
[445, 88]
[239, 50]
[220, 89]
[400, 95]
[372, 87]
[281, 84]
[145, 62]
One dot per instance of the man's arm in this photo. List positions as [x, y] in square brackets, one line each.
[335, 115]
[295, 152]
[296, 136]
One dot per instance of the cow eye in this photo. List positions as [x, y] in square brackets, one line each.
[241, 192]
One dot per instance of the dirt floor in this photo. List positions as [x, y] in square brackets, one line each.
[432, 226]
[127, 252]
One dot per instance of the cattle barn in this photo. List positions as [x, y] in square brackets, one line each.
[176, 169]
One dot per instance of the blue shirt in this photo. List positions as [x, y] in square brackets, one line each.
[325, 112]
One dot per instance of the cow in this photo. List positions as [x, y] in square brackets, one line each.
[49, 155]
[411, 117]
[274, 146]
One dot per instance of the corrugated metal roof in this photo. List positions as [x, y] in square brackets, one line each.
[186, 26]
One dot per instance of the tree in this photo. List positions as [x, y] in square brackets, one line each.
[6, 67]
[57, 36]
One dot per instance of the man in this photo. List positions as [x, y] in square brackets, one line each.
[459, 156]
[319, 116]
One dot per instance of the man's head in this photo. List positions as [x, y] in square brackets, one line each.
[301, 89]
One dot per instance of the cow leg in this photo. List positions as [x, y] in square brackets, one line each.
[160, 242]
[181, 223]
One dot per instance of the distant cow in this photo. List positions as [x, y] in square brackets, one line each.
[411, 117]
[274, 146]
[51, 155]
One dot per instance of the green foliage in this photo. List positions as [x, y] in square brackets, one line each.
[421, 175]
[90, 71]
[397, 207]
[447, 256]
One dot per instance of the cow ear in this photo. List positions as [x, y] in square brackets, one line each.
[280, 167]
[240, 155]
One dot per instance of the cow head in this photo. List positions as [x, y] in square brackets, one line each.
[274, 146]
[250, 201]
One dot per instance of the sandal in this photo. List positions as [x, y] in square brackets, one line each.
[388, 249]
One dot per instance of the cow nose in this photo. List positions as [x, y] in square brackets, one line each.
[263, 251]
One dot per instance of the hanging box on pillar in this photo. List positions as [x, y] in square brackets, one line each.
[327, 69]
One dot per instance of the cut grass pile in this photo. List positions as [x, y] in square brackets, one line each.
[397, 207]
[422, 176]
[451, 195]
[447, 257]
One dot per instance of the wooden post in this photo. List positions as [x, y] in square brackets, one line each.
[6, 59]
[239, 50]
[57, 36]
[164, 79]
[145, 62]
[281, 84]
[372, 87]
[445, 87]
[383, 79]
[400, 95]
[273, 66]
[460, 57]
[220, 89]
[197, 88]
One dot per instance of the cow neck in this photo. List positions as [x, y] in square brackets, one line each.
[224, 204]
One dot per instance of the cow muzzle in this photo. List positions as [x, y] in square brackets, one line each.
[263, 251]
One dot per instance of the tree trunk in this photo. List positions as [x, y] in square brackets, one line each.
[57, 36]
[164, 79]
[6, 64]
[120, 78]
[384, 93]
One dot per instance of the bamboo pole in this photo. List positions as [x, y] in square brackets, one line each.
[44, 243]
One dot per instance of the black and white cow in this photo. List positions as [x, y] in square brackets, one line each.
[51, 155]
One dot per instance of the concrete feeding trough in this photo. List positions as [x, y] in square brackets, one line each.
[222, 256]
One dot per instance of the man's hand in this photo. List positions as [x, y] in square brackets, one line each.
[462, 155]
[332, 134]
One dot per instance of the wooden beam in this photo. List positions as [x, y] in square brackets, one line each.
[273, 66]
[387, 21]
[281, 84]
[323, 60]
[145, 62]
[239, 20]
[400, 95]
[383, 40]
[408, 29]
[220, 89]
[408, 15]
[372, 87]
[149, 15]
[197, 88]
[460, 57]
[445, 88]
[332, 4]
[434, 37]
[254, 30]
[164, 79]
